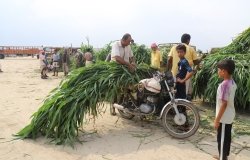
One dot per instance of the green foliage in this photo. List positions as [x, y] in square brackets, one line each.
[240, 45]
[206, 80]
[103, 53]
[141, 53]
[164, 52]
[87, 48]
[82, 93]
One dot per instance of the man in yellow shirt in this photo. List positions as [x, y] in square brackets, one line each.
[156, 57]
[191, 56]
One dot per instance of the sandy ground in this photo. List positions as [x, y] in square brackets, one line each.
[22, 92]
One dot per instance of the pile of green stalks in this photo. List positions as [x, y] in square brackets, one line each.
[240, 45]
[82, 93]
[87, 48]
[141, 53]
[164, 52]
[102, 54]
[206, 80]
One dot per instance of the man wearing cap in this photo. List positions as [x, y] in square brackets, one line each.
[121, 52]
[156, 58]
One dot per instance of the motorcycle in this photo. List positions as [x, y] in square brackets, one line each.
[156, 97]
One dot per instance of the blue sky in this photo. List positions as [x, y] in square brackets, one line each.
[211, 23]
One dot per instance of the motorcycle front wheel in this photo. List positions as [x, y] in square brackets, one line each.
[183, 126]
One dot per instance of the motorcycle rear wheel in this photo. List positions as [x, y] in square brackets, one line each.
[181, 131]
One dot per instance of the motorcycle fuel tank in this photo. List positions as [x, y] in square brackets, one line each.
[151, 85]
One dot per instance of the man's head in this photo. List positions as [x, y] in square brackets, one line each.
[154, 46]
[42, 52]
[126, 39]
[56, 50]
[226, 68]
[181, 50]
[185, 38]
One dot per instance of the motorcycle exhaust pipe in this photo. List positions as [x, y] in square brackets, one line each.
[117, 106]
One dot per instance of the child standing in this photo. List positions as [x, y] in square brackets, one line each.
[184, 72]
[225, 111]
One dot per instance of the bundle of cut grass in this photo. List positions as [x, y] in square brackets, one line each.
[141, 53]
[206, 80]
[79, 95]
[103, 53]
[240, 45]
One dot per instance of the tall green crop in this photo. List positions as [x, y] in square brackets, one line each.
[206, 80]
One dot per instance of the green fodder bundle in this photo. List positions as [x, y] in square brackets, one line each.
[87, 48]
[103, 53]
[240, 45]
[141, 53]
[206, 80]
[80, 94]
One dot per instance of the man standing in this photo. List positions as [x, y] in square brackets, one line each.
[121, 53]
[88, 57]
[43, 65]
[191, 57]
[79, 58]
[156, 58]
[56, 59]
[66, 62]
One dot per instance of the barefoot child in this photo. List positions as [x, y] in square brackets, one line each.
[225, 111]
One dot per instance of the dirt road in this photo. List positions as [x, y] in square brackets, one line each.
[110, 138]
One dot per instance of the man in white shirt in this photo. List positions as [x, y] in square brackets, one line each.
[121, 52]
[56, 58]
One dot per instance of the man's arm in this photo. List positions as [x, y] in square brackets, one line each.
[170, 59]
[161, 59]
[197, 61]
[170, 62]
[195, 58]
[120, 60]
[132, 61]
[220, 114]
[188, 75]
